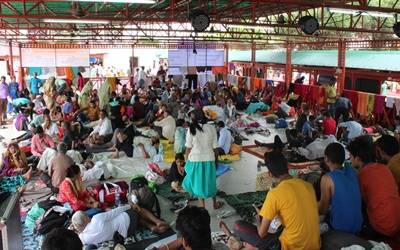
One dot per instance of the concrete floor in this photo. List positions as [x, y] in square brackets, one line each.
[241, 178]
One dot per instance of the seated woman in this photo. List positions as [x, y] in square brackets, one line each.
[124, 220]
[41, 141]
[177, 173]
[14, 171]
[124, 142]
[72, 192]
[56, 115]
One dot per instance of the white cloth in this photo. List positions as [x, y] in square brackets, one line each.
[95, 173]
[151, 151]
[103, 226]
[46, 158]
[202, 144]
[353, 128]
[285, 107]
[168, 127]
[75, 156]
[52, 131]
[389, 102]
[104, 127]
[316, 149]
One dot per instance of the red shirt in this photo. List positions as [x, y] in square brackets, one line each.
[329, 125]
[380, 194]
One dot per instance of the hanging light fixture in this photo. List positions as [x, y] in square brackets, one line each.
[200, 20]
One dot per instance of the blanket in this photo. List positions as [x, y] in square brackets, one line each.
[125, 167]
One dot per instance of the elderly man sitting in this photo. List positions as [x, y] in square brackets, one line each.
[124, 220]
[103, 132]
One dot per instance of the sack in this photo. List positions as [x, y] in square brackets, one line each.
[146, 197]
[281, 123]
[235, 149]
[52, 219]
[106, 192]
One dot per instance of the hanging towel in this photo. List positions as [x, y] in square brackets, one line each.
[69, 73]
[397, 104]
[353, 96]
[113, 84]
[389, 102]
[219, 70]
[379, 104]
[321, 95]
[362, 103]
[371, 103]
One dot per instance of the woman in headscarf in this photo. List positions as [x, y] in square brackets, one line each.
[50, 92]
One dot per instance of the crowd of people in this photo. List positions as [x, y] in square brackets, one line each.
[357, 195]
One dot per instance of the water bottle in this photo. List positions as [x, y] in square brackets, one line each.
[117, 200]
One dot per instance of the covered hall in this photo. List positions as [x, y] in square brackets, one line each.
[199, 125]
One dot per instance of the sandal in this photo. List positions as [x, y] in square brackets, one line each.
[219, 205]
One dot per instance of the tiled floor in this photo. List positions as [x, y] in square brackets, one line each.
[238, 180]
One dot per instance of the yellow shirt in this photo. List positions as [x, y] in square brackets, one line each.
[294, 201]
[330, 91]
[394, 166]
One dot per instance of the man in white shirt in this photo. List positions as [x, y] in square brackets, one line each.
[225, 139]
[103, 131]
[141, 77]
[167, 125]
[353, 130]
[123, 220]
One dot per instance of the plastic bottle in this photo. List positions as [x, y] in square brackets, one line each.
[117, 200]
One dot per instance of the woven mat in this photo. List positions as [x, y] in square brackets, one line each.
[164, 190]
[256, 150]
[243, 203]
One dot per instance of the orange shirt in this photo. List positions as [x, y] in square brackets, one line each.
[379, 192]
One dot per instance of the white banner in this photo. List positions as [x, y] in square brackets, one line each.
[33, 57]
[204, 57]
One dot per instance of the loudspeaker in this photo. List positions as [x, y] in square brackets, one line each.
[308, 24]
[396, 29]
[200, 20]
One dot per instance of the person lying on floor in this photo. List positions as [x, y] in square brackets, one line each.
[378, 190]
[154, 150]
[193, 226]
[72, 191]
[124, 219]
[340, 192]
[294, 200]
[61, 238]
[91, 171]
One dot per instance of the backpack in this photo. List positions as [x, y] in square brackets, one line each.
[52, 219]
[281, 123]
[145, 196]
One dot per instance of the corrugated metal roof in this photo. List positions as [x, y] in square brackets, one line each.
[361, 59]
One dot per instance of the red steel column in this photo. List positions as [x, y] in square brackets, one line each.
[11, 60]
[288, 65]
[226, 47]
[21, 70]
[253, 64]
[341, 70]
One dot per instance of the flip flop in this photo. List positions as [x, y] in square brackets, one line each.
[220, 204]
